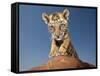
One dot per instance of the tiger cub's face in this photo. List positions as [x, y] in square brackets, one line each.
[57, 23]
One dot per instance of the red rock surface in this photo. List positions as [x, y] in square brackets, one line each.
[63, 62]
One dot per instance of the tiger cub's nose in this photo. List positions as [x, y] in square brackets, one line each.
[57, 36]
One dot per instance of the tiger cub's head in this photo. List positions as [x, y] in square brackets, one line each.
[57, 23]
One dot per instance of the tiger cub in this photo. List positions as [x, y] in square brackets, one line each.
[58, 27]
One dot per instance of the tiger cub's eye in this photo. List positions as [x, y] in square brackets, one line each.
[63, 27]
[51, 29]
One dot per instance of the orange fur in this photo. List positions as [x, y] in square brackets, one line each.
[57, 24]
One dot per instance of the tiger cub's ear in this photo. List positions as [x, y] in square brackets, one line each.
[66, 13]
[45, 17]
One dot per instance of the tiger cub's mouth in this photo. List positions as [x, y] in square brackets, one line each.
[60, 37]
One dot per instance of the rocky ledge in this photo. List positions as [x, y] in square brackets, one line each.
[63, 62]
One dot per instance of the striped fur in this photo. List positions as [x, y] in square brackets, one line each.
[58, 26]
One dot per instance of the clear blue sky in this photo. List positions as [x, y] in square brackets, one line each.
[34, 38]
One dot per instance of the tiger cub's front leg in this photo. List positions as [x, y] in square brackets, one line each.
[64, 47]
[54, 49]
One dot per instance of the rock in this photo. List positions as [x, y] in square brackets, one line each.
[63, 62]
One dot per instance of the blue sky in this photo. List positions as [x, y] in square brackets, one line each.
[34, 38]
